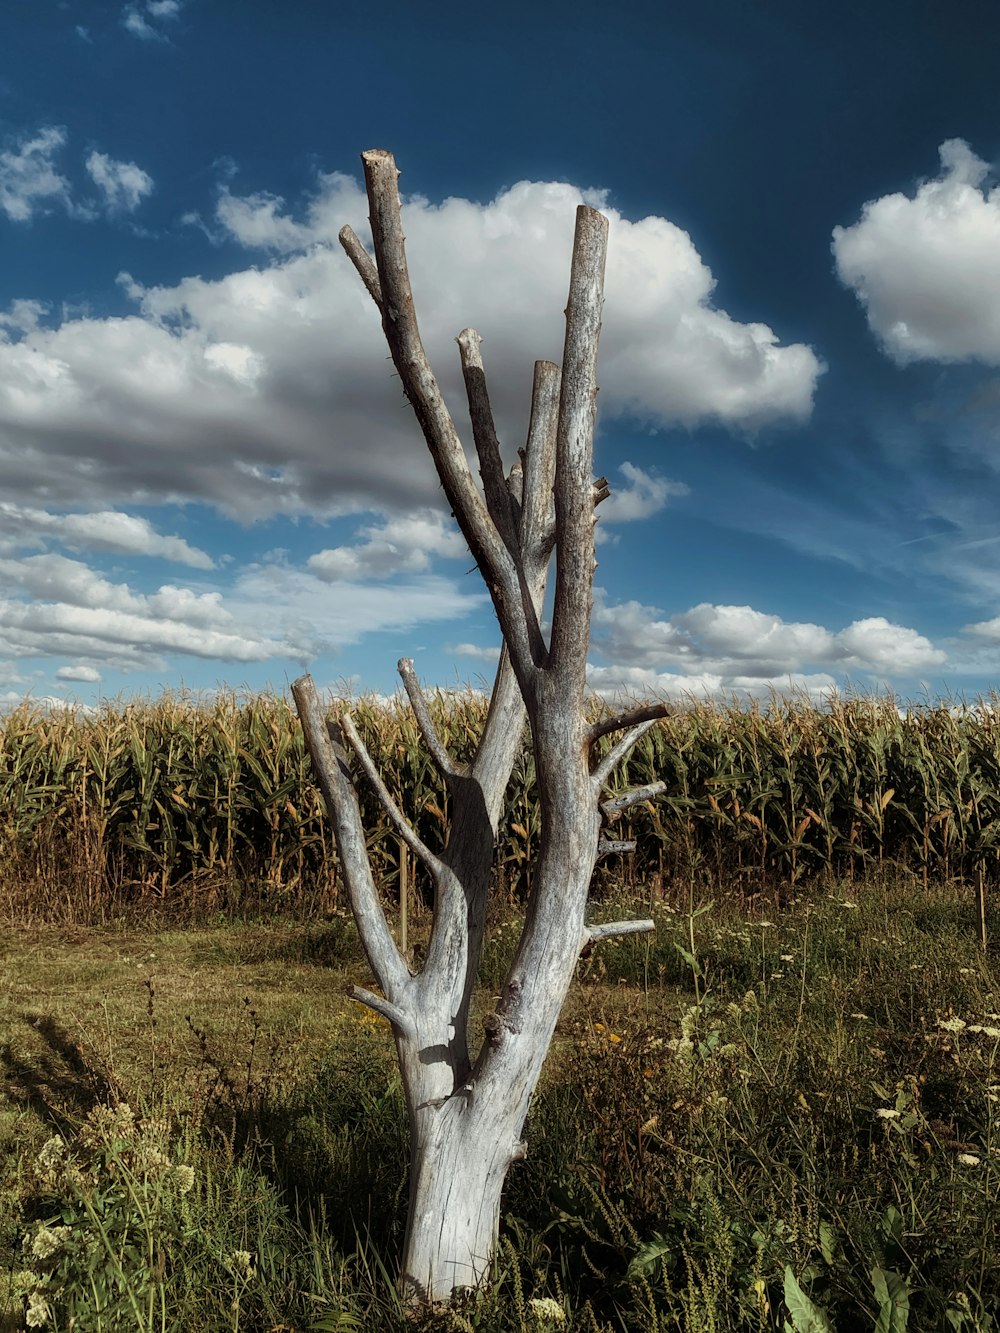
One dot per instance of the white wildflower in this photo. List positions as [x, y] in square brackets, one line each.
[183, 1177]
[689, 1021]
[51, 1160]
[38, 1312]
[887, 1113]
[952, 1024]
[123, 1120]
[24, 1282]
[48, 1241]
[547, 1310]
[240, 1261]
[969, 1159]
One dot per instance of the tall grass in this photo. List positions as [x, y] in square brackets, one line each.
[210, 805]
[749, 1123]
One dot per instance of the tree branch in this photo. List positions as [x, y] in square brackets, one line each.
[396, 817]
[484, 433]
[362, 261]
[330, 763]
[594, 933]
[537, 512]
[399, 1018]
[600, 490]
[443, 761]
[607, 847]
[515, 488]
[630, 718]
[399, 323]
[618, 752]
[575, 450]
[496, 488]
[615, 804]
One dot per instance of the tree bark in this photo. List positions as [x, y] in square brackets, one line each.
[467, 1110]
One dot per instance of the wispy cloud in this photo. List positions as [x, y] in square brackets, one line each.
[404, 544]
[30, 181]
[643, 495]
[71, 610]
[144, 18]
[84, 674]
[107, 530]
[33, 181]
[123, 185]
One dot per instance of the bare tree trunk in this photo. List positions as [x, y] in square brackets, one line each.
[466, 1114]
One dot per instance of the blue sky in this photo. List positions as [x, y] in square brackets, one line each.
[209, 474]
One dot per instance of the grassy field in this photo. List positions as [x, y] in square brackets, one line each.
[754, 1120]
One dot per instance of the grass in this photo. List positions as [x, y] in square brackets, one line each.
[756, 1119]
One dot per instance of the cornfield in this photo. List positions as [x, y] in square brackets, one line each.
[210, 805]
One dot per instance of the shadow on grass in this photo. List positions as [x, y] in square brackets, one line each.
[57, 1080]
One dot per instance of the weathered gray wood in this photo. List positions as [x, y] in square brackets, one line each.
[614, 804]
[467, 1110]
[630, 718]
[618, 752]
[610, 928]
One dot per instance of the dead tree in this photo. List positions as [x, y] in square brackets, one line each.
[466, 1107]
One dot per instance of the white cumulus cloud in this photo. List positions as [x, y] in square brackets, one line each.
[621, 683]
[283, 368]
[478, 652]
[739, 645]
[926, 266]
